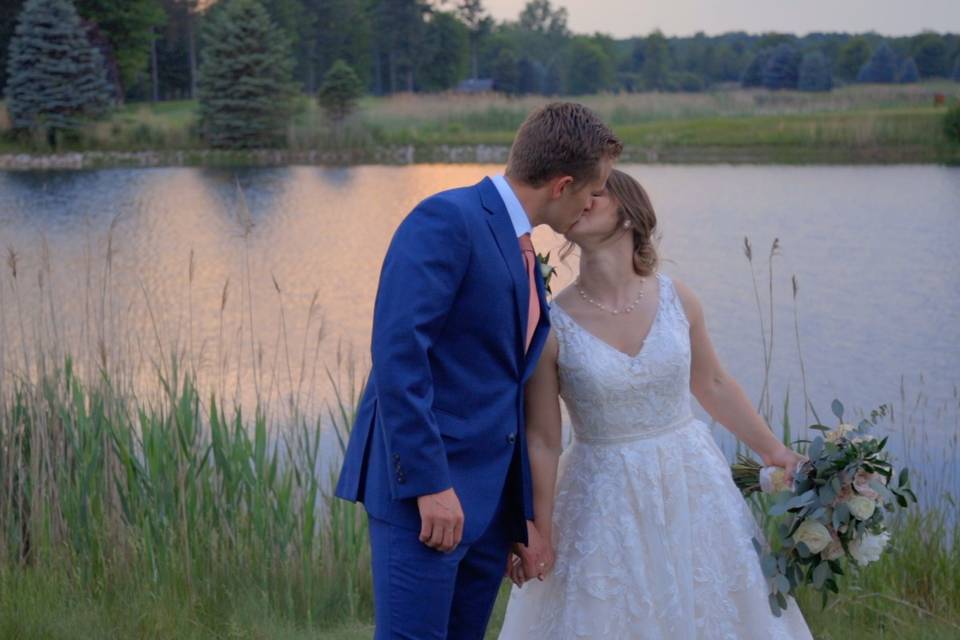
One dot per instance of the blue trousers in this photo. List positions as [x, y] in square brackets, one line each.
[423, 594]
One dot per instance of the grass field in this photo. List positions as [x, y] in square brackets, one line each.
[860, 124]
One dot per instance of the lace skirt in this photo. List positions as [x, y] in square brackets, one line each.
[653, 540]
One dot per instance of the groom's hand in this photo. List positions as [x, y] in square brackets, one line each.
[441, 520]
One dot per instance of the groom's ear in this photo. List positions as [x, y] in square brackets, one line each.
[560, 184]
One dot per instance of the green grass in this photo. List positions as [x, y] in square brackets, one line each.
[865, 124]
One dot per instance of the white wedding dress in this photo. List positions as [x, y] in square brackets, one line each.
[652, 538]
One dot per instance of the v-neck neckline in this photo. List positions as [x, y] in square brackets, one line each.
[646, 338]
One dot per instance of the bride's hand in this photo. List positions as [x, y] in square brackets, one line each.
[533, 560]
[786, 458]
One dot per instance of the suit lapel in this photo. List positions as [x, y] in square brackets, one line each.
[506, 239]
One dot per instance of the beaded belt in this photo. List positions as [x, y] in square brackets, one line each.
[636, 435]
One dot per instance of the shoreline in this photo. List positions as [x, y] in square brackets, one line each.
[408, 154]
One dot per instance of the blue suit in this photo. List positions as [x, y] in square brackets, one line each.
[444, 407]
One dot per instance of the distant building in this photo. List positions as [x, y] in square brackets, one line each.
[475, 85]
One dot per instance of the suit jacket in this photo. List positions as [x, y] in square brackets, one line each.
[444, 404]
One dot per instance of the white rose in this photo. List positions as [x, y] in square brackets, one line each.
[861, 507]
[774, 480]
[814, 535]
[869, 548]
[859, 439]
[840, 432]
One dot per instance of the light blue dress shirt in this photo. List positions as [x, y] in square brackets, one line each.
[518, 216]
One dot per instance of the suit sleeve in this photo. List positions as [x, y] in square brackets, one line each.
[422, 272]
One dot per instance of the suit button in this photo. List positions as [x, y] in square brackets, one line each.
[400, 480]
[396, 456]
[512, 438]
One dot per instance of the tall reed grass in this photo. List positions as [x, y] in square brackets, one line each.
[172, 512]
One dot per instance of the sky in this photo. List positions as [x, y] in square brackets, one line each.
[623, 18]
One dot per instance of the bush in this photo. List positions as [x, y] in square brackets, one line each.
[951, 124]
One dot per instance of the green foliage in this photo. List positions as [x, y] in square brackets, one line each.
[656, 61]
[851, 58]
[782, 70]
[951, 124]
[245, 83]
[9, 11]
[55, 77]
[340, 91]
[446, 49]
[814, 73]
[930, 52]
[753, 75]
[591, 70]
[129, 26]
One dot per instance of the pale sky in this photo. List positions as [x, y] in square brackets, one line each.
[622, 18]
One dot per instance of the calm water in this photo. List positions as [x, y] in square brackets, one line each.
[874, 249]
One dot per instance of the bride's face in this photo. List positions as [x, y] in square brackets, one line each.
[598, 223]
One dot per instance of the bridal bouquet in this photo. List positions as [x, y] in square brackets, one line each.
[835, 511]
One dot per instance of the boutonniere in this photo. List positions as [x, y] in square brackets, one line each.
[546, 270]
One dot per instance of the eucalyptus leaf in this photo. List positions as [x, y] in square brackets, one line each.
[821, 574]
[774, 605]
[837, 407]
[769, 565]
[783, 585]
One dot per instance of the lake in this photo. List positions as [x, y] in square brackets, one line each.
[125, 265]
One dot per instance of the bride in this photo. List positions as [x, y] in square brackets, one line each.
[652, 539]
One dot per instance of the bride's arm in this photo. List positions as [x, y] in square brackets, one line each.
[723, 397]
[543, 435]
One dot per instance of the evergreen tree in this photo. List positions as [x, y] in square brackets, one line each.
[853, 55]
[783, 68]
[908, 72]
[340, 91]
[882, 66]
[956, 70]
[753, 74]
[55, 76]
[930, 54]
[245, 85]
[815, 73]
[9, 11]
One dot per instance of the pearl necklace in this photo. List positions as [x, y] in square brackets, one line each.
[627, 309]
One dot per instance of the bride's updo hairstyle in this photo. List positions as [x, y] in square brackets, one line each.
[634, 206]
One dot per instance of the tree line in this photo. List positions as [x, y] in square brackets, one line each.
[152, 50]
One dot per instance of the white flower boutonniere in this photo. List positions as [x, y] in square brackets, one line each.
[546, 270]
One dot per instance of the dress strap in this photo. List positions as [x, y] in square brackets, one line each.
[671, 298]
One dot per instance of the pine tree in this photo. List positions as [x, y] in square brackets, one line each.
[245, 87]
[783, 68]
[956, 70]
[815, 73]
[908, 72]
[340, 91]
[882, 66]
[55, 77]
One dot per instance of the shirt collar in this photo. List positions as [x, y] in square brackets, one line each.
[518, 216]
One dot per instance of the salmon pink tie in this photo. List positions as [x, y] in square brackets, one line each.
[533, 312]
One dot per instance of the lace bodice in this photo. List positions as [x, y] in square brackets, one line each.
[613, 397]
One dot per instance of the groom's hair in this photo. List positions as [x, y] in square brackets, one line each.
[561, 139]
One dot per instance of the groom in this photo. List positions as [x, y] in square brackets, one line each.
[438, 450]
